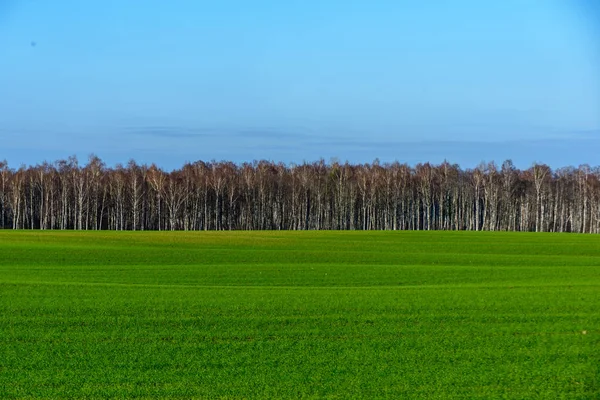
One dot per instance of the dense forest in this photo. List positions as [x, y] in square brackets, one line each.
[265, 195]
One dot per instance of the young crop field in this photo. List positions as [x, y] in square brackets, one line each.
[414, 315]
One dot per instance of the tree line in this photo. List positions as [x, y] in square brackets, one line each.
[263, 195]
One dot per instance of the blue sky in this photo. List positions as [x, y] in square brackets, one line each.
[413, 81]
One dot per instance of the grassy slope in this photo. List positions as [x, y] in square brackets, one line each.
[299, 314]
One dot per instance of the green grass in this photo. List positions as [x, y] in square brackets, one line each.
[416, 315]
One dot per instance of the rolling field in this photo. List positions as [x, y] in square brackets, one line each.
[415, 315]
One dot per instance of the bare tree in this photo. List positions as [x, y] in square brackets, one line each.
[5, 186]
[157, 179]
[265, 195]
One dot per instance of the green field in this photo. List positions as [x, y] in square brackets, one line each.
[415, 315]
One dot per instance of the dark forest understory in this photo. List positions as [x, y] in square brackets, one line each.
[268, 196]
